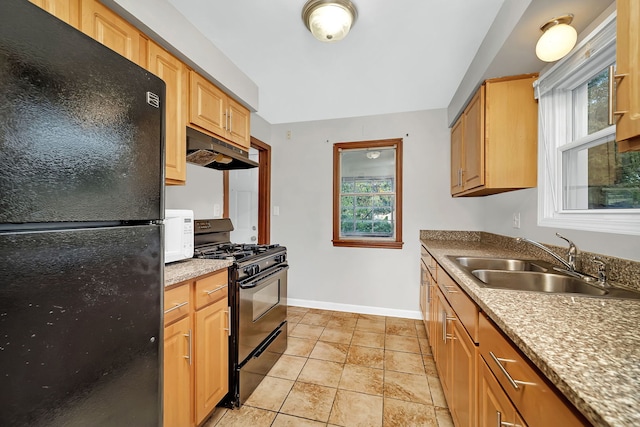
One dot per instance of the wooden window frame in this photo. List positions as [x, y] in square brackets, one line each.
[373, 242]
[264, 191]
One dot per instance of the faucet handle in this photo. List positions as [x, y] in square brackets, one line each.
[602, 269]
[572, 255]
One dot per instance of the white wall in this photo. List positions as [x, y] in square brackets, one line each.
[497, 214]
[384, 281]
[201, 194]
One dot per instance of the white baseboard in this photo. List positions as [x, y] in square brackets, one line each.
[362, 309]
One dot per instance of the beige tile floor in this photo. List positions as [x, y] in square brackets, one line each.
[346, 369]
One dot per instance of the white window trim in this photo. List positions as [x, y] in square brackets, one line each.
[553, 118]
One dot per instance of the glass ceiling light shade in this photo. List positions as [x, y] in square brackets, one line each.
[557, 40]
[329, 20]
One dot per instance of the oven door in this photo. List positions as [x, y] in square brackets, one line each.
[262, 308]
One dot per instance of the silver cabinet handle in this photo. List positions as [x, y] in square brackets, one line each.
[450, 289]
[501, 423]
[215, 290]
[230, 120]
[228, 328]
[188, 336]
[612, 78]
[177, 306]
[514, 383]
[445, 319]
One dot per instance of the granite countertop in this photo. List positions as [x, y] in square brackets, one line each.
[188, 269]
[588, 347]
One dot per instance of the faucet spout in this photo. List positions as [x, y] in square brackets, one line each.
[568, 265]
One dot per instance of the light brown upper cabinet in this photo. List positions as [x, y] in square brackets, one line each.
[213, 111]
[174, 73]
[65, 10]
[111, 30]
[628, 65]
[494, 141]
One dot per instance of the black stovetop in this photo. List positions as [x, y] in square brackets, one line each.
[235, 251]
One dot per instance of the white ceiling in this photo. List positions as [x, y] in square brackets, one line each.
[401, 55]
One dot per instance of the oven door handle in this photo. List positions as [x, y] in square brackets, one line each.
[255, 281]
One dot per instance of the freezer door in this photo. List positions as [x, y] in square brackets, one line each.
[80, 316]
[81, 128]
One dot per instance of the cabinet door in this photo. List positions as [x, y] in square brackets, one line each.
[65, 10]
[239, 124]
[456, 155]
[433, 319]
[103, 25]
[463, 385]
[174, 73]
[207, 105]
[473, 142]
[212, 357]
[494, 407]
[444, 344]
[177, 374]
[628, 62]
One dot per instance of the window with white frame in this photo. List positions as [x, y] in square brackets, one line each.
[584, 182]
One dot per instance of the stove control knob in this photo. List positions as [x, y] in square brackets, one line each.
[280, 258]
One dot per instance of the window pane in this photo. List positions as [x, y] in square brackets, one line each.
[599, 177]
[598, 102]
[367, 193]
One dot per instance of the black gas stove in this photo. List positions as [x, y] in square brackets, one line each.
[257, 300]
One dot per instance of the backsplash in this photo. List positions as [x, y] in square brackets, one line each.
[622, 271]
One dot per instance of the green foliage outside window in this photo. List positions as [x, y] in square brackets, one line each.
[365, 209]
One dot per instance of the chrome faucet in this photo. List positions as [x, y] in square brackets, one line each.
[572, 255]
[602, 271]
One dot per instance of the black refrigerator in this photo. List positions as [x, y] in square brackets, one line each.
[81, 208]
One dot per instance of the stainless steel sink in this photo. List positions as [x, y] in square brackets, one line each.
[537, 282]
[482, 263]
[535, 276]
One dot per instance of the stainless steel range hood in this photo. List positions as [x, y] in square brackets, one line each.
[210, 152]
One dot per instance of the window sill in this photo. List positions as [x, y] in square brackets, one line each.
[380, 244]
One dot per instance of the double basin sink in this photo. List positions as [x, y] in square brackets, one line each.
[535, 276]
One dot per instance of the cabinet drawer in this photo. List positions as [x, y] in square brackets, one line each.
[429, 262]
[538, 401]
[465, 308]
[176, 303]
[211, 289]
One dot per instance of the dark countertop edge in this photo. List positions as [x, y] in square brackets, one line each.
[182, 271]
[463, 243]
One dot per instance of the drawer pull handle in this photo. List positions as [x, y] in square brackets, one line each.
[175, 307]
[501, 423]
[450, 289]
[514, 383]
[215, 290]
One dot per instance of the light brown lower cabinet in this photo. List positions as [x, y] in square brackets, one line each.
[456, 358]
[177, 373]
[486, 380]
[196, 349]
[494, 407]
[212, 357]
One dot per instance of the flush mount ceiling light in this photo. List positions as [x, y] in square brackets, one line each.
[329, 20]
[373, 154]
[557, 40]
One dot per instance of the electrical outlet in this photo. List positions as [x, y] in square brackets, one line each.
[288, 134]
[516, 220]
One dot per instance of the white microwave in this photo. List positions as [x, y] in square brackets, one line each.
[178, 235]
